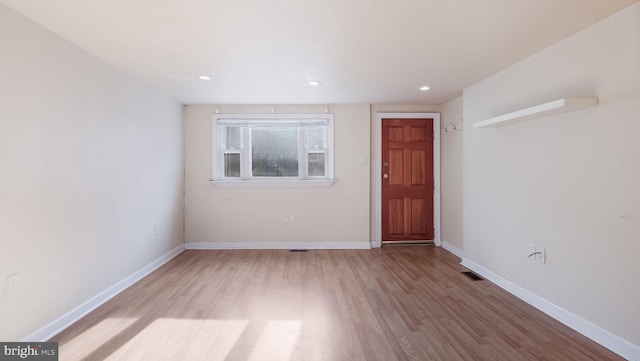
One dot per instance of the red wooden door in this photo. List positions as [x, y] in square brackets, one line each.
[407, 180]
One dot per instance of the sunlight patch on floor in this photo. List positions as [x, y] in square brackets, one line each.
[90, 340]
[277, 341]
[182, 339]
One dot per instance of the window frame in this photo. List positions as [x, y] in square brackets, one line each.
[245, 122]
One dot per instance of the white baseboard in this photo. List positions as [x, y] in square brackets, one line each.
[453, 249]
[278, 245]
[45, 333]
[605, 338]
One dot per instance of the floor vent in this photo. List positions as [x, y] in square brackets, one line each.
[298, 250]
[473, 276]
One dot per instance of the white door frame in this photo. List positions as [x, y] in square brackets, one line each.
[436, 170]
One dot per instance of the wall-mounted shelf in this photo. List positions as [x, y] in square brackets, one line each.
[554, 107]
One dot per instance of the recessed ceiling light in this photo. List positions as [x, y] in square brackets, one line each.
[314, 83]
[424, 88]
[204, 77]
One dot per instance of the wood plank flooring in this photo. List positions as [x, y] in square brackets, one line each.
[388, 304]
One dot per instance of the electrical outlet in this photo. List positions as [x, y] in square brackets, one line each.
[285, 218]
[292, 218]
[13, 285]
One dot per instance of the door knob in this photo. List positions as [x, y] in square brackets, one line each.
[385, 176]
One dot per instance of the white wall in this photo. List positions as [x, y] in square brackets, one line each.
[568, 182]
[90, 175]
[451, 176]
[339, 214]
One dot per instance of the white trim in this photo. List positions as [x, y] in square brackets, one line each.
[453, 249]
[278, 245]
[436, 170]
[275, 183]
[268, 117]
[45, 333]
[605, 338]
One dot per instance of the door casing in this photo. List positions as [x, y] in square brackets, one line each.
[377, 242]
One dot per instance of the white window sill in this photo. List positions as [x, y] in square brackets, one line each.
[267, 183]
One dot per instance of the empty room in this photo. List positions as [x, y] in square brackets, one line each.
[319, 180]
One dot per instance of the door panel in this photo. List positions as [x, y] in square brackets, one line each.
[418, 134]
[418, 171]
[418, 213]
[396, 167]
[396, 134]
[396, 216]
[407, 184]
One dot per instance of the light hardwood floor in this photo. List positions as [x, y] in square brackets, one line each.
[394, 303]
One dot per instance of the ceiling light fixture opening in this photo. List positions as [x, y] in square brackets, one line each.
[424, 88]
[204, 77]
[313, 83]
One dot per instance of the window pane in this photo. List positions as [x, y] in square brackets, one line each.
[316, 164]
[233, 138]
[274, 152]
[232, 165]
[316, 138]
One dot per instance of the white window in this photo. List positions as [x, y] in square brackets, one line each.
[273, 148]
